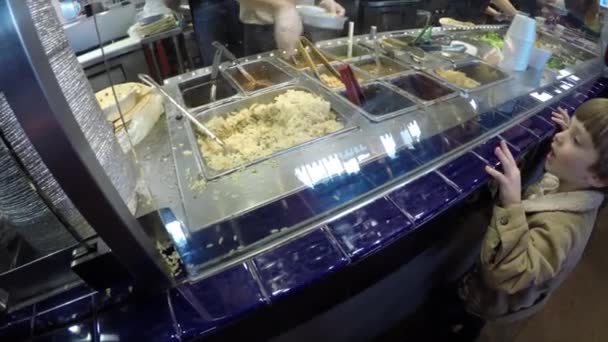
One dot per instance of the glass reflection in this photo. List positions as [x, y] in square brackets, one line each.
[333, 166]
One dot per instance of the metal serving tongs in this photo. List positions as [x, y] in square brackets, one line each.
[253, 83]
[374, 36]
[215, 68]
[304, 43]
[152, 83]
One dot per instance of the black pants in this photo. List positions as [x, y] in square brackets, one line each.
[258, 39]
[217, 20]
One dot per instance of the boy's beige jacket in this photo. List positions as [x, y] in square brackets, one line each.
[529, 249]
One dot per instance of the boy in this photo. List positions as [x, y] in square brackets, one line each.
[533, 244]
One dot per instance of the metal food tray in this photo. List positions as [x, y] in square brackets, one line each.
[454, 57]
[384, 61]
[343, 112]
[455, 91]
[200, 84]
[486, 82]
[301, 62]
[282, 75]
[380, 118]
[359, 74]
[336, 52]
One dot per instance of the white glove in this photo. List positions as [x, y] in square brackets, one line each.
[332, 7]
[287, 28]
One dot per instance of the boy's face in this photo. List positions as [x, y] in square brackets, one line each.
[572, 155]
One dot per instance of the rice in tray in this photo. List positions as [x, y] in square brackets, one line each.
[292, 118]
[457, 78]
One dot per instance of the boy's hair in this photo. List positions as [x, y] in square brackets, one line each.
[593, 114]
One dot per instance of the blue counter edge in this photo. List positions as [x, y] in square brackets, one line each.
[244, 288]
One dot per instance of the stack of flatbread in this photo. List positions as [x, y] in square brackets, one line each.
[139, 105]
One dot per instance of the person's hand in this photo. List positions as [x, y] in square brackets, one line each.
[332, 7]
[287, 28]
[509, 182]
[561, 118]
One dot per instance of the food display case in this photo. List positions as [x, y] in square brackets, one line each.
[306, 185]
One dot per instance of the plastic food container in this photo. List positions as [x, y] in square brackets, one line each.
[382, 102]
[316, 16]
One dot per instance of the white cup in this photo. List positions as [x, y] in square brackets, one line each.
[519, 42]
[539, 58]
[523, 28]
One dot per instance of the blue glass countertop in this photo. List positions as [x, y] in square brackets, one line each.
[201, 308]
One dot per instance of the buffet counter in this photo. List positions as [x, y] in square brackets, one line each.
[256, 230]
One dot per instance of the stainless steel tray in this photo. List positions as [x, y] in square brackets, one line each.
[454, 92]
[409, 103]
[266, 67]
[398, 68]
[454, 57]
[195, 92]
[343, 111]
[340, 52]
[301, 62]
[482, 72]
[359, 74]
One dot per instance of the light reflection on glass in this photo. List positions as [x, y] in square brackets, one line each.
[352, 166]
[408, 141]
[473, 104]
[414, 129]
[175, 230]
[317, 172]
[335, 165]
[411, 134]
[389, 145]
[563, 73]
[363, 157]
[543, 97]
[109, 338]
[568, 84]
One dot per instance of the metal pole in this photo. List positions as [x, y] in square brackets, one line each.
[33, 93]
[152, 50]
[178, 52]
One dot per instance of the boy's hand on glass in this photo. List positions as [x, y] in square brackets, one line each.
[509, 182]
[561, 118]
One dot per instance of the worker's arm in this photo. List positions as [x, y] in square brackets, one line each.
[275, 4]
[491, 12]
[287, 22]
[505, 7]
